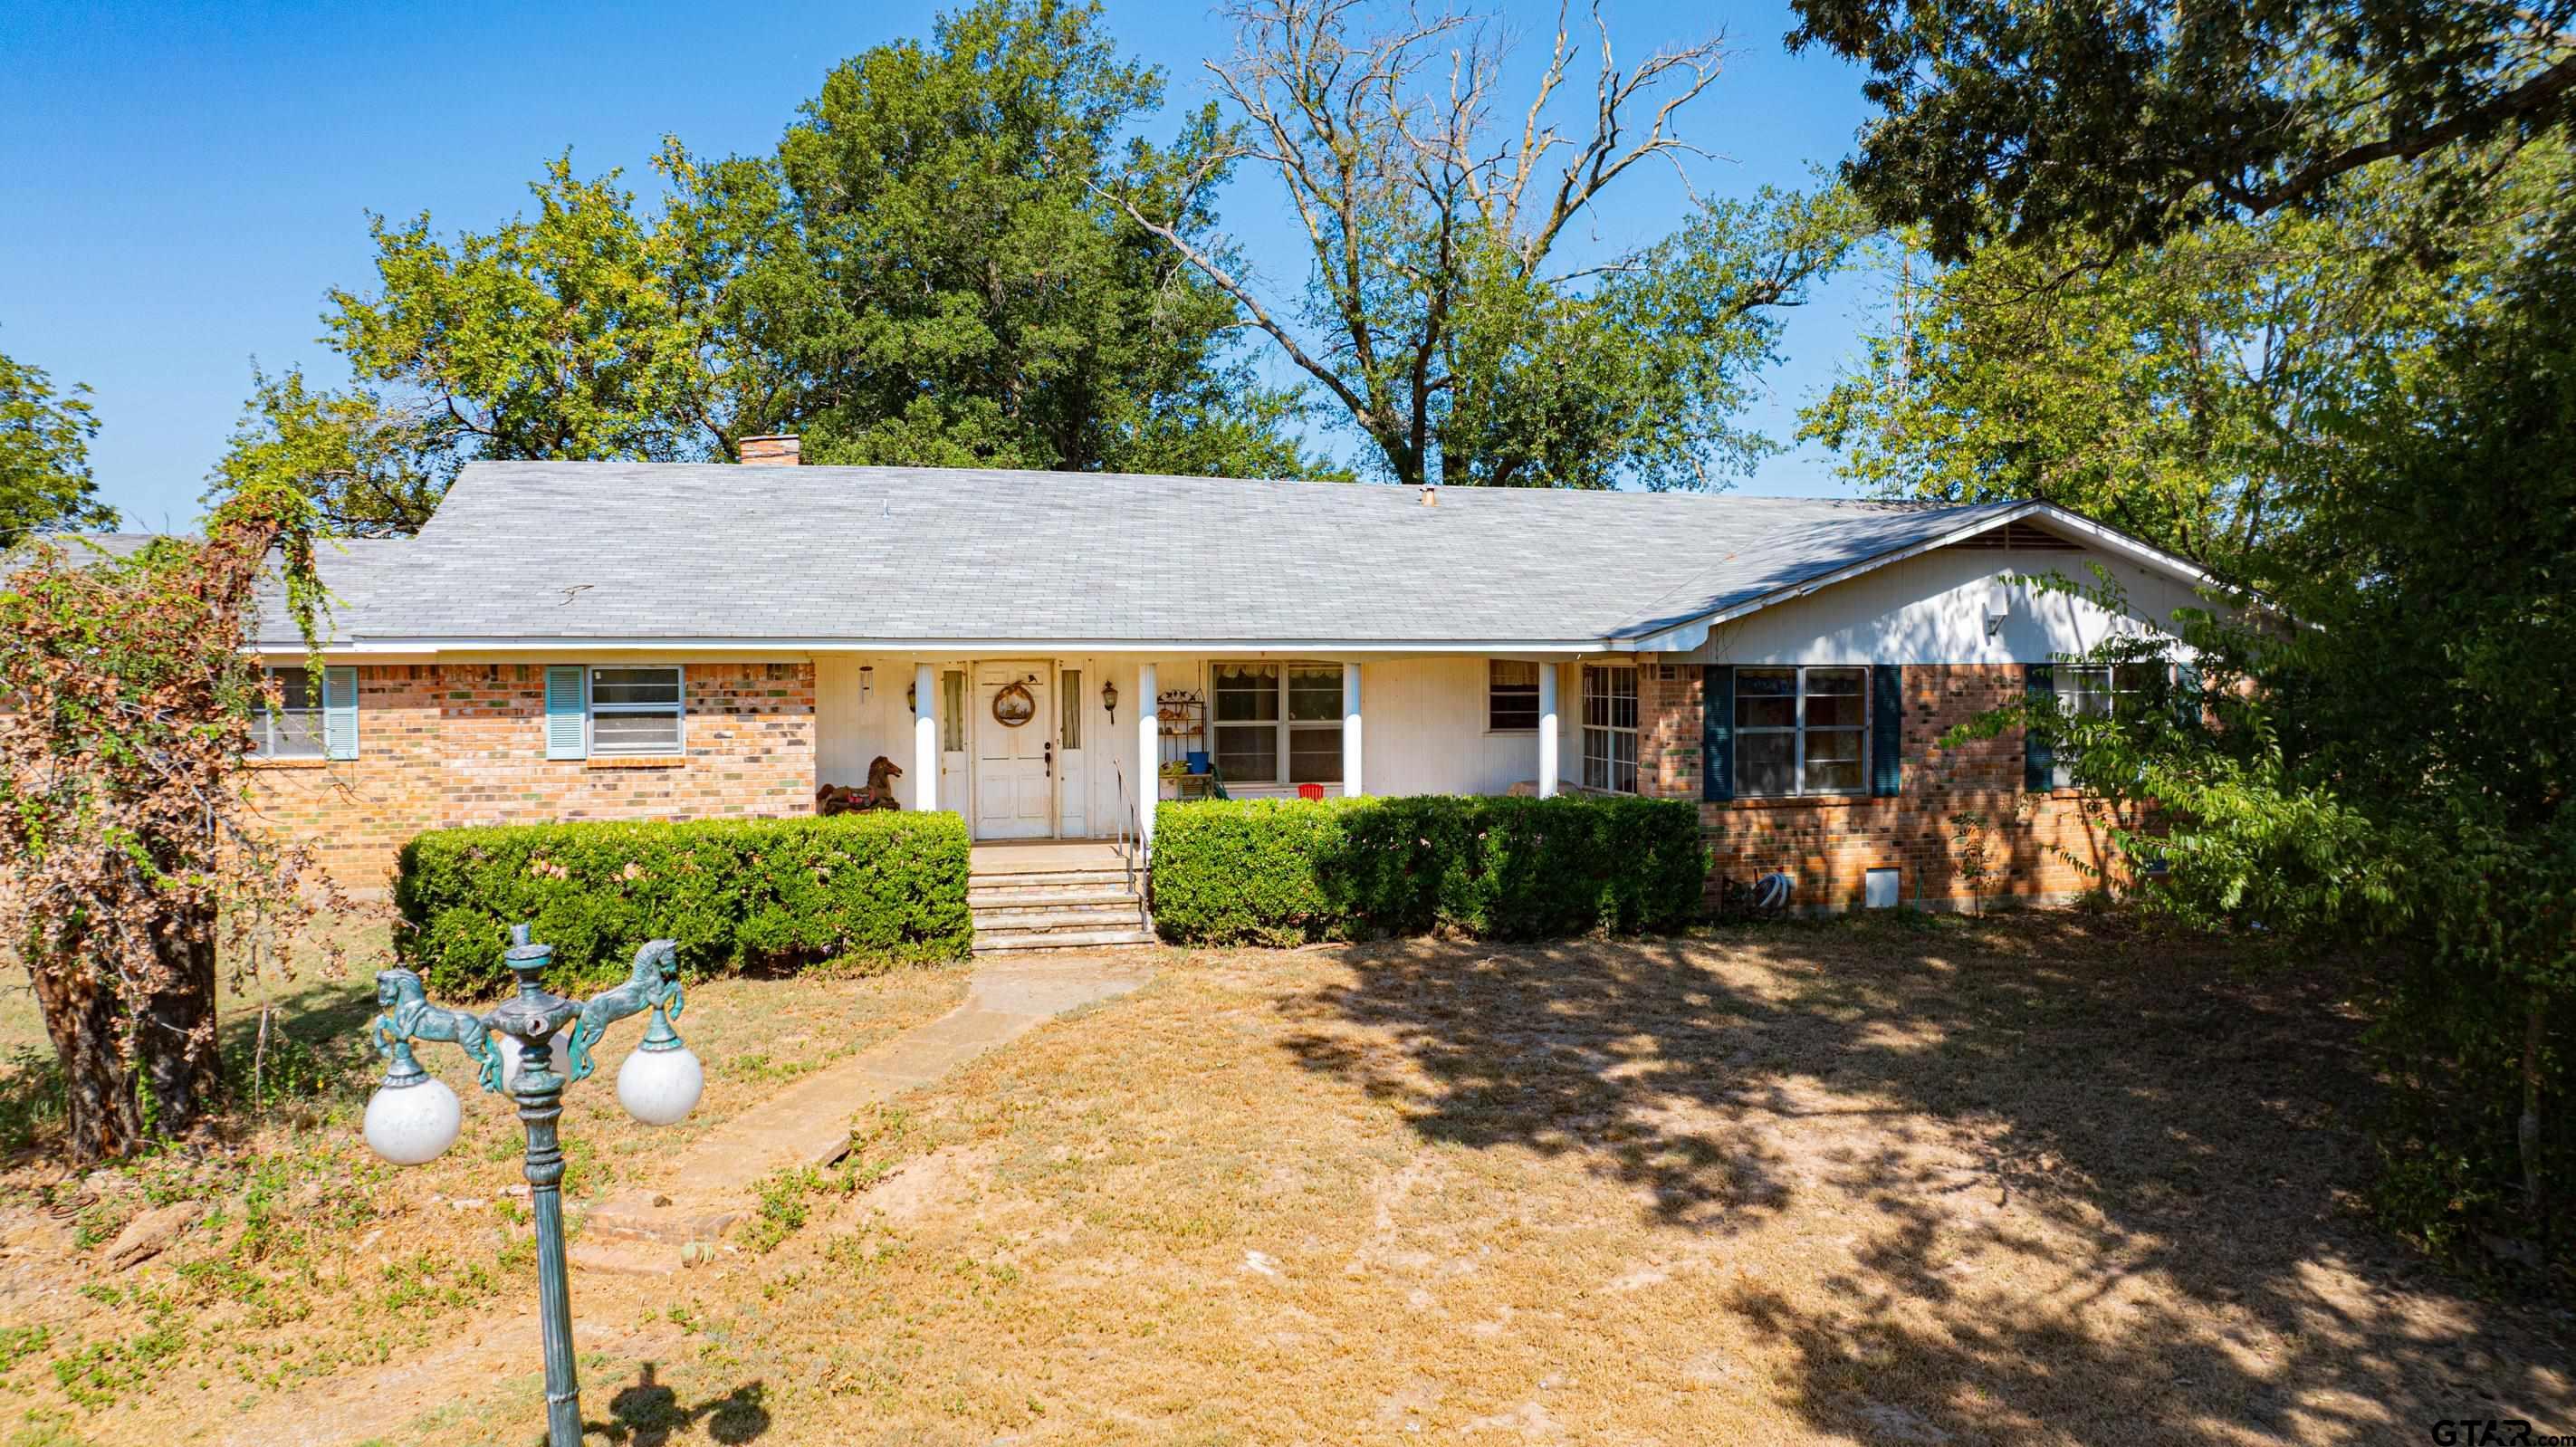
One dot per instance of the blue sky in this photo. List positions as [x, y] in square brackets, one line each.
[180, 182]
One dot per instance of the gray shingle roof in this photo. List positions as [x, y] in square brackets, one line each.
[661, 551]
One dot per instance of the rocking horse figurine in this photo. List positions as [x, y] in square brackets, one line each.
[409, 1016]
[654, 984]
[879, 794]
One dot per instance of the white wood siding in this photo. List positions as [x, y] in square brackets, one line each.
[1932, 609]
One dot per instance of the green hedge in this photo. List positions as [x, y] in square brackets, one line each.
[1282, 871]
[734, 892]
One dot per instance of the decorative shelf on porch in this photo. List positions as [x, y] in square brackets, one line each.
[1180, 715]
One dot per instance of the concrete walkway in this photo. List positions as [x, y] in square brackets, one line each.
[808, 1123]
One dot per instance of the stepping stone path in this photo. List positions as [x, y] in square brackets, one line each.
[808, 1123]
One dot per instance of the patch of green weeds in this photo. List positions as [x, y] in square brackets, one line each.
[758, 1068]
[783, 1207]
[31, 1096]
[17, 1343]
[46, 1429]
[288, 1071]
[98, 1374]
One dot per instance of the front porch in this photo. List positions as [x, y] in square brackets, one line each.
[1079, 746]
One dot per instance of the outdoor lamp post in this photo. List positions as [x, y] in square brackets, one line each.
[413, 1117]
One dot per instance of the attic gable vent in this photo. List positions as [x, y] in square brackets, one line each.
[2020, 537]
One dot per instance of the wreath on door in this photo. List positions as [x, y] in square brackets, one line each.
[1014, 705]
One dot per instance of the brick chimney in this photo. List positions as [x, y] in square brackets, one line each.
[776, 450]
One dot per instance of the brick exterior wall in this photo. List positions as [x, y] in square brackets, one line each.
[441, 745]
[1827, 846]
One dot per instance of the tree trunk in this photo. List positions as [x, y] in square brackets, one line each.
[183, 1072]
[103, 1117]
[176, 1079]
[2527, 1130]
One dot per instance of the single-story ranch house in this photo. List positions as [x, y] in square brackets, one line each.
[1047, 653]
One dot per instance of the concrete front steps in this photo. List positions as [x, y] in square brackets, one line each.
[1054, 895]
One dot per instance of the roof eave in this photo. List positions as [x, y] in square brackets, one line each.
[414, 647]
[1691, 633]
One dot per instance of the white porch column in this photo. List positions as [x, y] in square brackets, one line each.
[1354, 777]
[1149, 755]
[1547, 767]
[925, 737]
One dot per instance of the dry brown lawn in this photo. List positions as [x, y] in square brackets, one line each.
[2040, 1180]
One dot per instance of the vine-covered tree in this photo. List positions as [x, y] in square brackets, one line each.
[129, 852]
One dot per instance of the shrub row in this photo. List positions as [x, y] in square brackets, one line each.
[1283, 871]
[877, 887]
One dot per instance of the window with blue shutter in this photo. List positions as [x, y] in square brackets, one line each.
[1886, 730]
[340, 713]
[2187, 699]
[567, 713]
[1717, 731]
[2038, 760]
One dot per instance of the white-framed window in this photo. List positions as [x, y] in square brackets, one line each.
[293, 729]
[1610, 727]
[1277, 723]
[635, 709]
[1068, 732]
[1511, 696]
[2094, 690]
[1801, 730]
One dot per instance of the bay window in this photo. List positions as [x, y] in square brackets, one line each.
[1278, 723]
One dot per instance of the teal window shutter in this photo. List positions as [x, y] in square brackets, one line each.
[2187, 700]
[2038, 759]
[340, 713]
[1886, 730]
[567, 713]
[1717, 731]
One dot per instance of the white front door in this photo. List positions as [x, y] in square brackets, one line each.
[1014, 728]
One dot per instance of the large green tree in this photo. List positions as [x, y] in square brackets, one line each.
[2147, 195]
[1442, 319]
[964, 290]
[929, 270]
[45, 483]
[2135, 120]
[2168, 389]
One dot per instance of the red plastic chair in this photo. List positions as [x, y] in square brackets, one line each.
[1310, 791]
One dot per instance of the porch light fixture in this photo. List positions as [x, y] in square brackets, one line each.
[1109, 700]
[413, 1117]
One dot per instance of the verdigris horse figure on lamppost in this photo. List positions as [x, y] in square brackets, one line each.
[413, 1117]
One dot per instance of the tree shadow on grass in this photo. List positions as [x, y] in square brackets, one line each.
[646, 1413]
[2104, 1184]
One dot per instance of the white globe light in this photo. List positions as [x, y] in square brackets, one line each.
[660, 1087]
[512, 1051]
[412, 1124]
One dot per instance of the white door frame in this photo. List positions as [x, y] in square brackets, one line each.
[978, 718]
